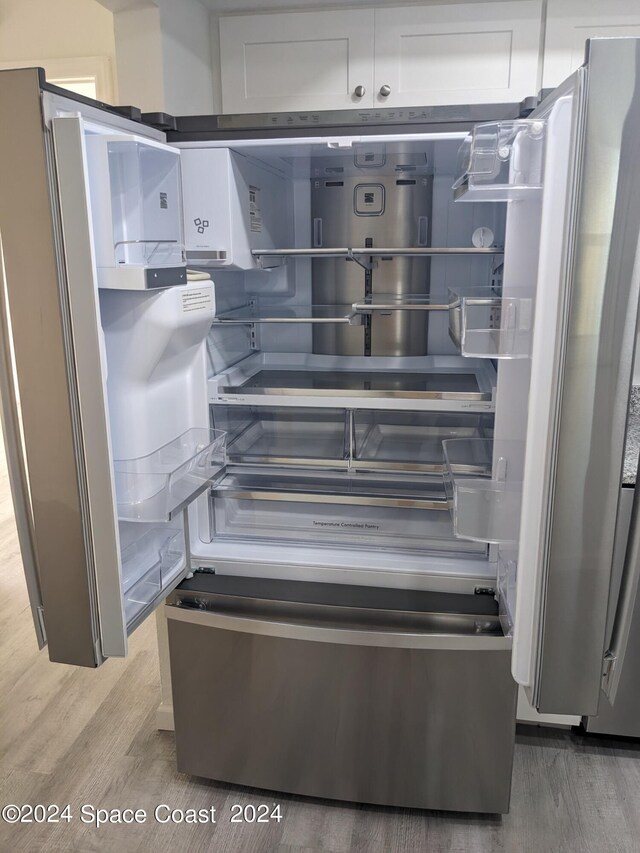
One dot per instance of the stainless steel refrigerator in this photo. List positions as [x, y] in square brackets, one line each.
[376, 482]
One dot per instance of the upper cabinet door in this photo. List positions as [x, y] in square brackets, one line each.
[457, 53]
[571, 22]
[297, 61]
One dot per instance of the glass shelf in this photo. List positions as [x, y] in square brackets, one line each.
[336, 314]
[250, 314]
[501, 161]
[483, 324]
[157, 486]
[483, 509]
[364, 256]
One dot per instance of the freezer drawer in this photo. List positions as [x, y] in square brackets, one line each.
[379, 696]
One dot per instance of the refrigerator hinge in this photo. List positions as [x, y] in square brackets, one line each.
[609, 665]
[484, 590]
[40, 615]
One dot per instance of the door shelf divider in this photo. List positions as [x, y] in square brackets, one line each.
[483, 508]
[148, 564]
[159, 485]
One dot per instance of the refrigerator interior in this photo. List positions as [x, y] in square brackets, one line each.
[335, 463]
[401, 469]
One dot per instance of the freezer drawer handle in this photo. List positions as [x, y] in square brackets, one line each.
[342, 636]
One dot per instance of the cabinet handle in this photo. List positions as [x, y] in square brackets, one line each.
[359, 91]
[385, 90]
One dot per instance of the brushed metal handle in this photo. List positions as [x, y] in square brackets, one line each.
[385, 90]
[348, 635]
[359, 91]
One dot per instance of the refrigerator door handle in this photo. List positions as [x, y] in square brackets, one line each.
[16, 462]
[346, 635]
[614, 656]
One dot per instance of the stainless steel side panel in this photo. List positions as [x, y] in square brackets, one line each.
[603, 287]
[623, 716]
[388, 717]
[48, 411]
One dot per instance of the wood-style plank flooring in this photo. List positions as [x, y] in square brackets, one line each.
[88, 737]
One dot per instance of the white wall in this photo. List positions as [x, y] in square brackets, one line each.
[163, 50]
[38, 30]
[139, 58]
[188, 80]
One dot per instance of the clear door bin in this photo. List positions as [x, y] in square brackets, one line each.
[157, 486]
[483, 324]
[148, 565]
[137, 212]
[501, 161]
[483, 509]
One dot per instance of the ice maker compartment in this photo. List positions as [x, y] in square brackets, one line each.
[136, 208]
[483, 507]
[157, 486]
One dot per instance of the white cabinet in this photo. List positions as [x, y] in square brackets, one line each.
[297, 61]
[460, 53]
[457, 53]
[571, 22]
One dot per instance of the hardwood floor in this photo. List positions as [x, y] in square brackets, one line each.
[88, 737]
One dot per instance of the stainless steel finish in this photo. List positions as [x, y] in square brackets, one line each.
[467, 639]
[626, 608]
[430, 386]
[601, 310]
[385, 90]
[48, 395]
[460, 118]
[374, 209]
[16, 462]
[329, 498]
[360, 91]
[395, 707]
[622, 717]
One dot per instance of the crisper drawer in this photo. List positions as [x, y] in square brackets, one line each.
[383, 696]
[375, 440]
[410, 441]
[361, 511]
[284, 436]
